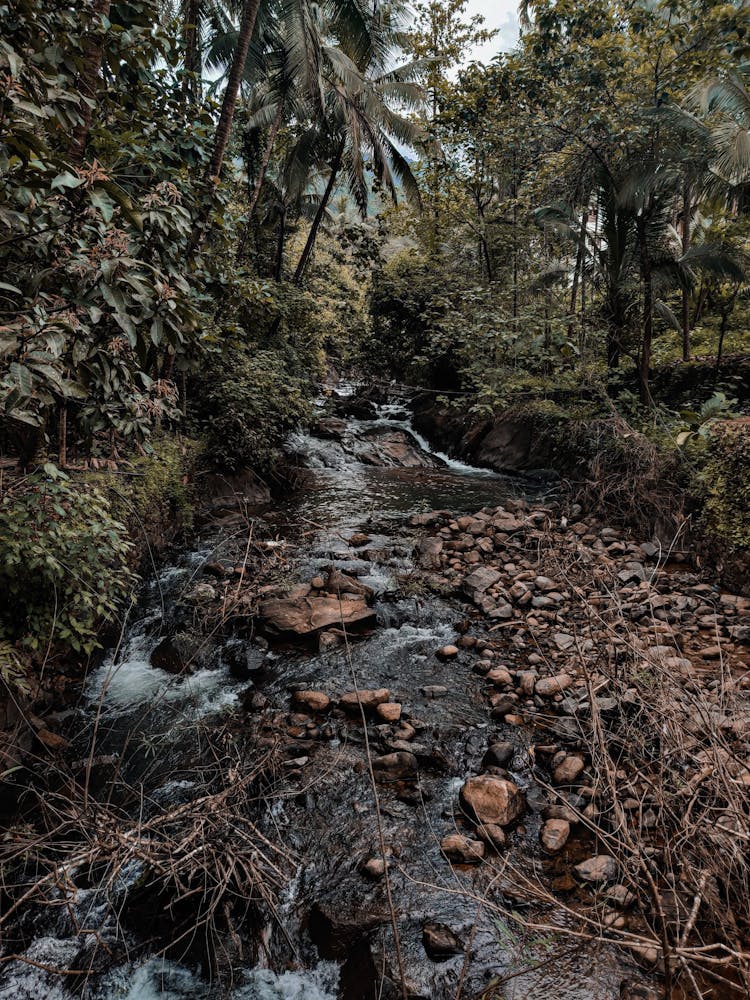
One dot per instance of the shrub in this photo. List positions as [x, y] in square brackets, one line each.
[726, 479]
[63, 563]
[246, 405]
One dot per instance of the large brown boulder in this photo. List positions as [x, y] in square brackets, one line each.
[307, 615]
[493, 800]
[369, 699]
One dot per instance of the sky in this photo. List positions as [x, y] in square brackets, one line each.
[500, 14]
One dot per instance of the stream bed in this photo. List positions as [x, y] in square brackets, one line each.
[332, 936]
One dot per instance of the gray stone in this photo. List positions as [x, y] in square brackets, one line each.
[600, 868]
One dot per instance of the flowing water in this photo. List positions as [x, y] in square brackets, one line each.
[332, 939]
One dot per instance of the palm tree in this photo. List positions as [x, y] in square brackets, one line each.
[725, 101]
[231, 91]
[360, 126]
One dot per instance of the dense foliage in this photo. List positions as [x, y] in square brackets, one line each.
[63, 566]
[584, 198]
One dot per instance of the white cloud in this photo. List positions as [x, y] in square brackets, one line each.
[501, 15]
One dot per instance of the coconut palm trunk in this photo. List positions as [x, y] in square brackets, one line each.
[686, 213]
[314, 228]
[232, 90]
[89, 78]
[644, 366]
[192, 59]
[259, 181]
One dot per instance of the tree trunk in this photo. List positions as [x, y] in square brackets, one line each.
[686, 213]
[232, 90]
[578, 272]
[192, 60]
[313, 234]
[259, 182]
[700, 304]
[266, 158]
[644, 367]
[88, 82]
[62, 436]
[515, 243]
[279, 273]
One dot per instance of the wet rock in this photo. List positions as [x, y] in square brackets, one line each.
[633, 572]
[254, 701]
[503, 612]
[447, 652]
[312, 614]
[50, 740]
[493, 835]
[527, 681]
[368, 699]
[502, 704]
[201, 593]
[374, 868]
[560, 811]
[429, 518]
[568, 770]
[499, 676]
[621, 896]
[554, 835]
[400, 766]
[429, 550]
[338, 582]
[440, 943]
[244, 660]
[393, 449]
[549, 686]
[331, 638]
[215, 569]
[315, 701]
[332, 428]
[434, 691]
[600, 868]
[173, 655]
[492, 800]
[462, 850]
[358, 539]
[389, 711]
[498, 755]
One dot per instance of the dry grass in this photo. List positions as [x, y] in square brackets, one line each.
[203, 869]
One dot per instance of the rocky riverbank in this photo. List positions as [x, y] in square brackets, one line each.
[495, 753]
[625, 676]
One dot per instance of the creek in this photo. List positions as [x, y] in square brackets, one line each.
[331, 938]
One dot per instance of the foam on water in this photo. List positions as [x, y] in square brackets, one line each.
[134, 682]
[320, 983]
[156, 979]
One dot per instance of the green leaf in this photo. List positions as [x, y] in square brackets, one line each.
[66, 180]
[101, 201]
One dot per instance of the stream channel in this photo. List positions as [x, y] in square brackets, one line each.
[332, 938]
